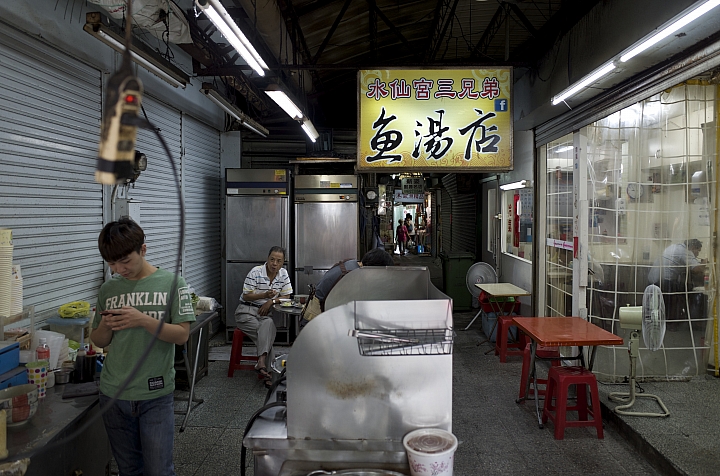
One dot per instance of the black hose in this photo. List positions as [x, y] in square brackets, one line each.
[243, 451]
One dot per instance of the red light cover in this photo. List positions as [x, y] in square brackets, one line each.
[130, 99]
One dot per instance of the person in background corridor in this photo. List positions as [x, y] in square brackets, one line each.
[401, 235]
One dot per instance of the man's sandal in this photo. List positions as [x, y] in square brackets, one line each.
[263, 373]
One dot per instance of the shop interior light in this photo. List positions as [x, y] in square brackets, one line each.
[282, 100]
[147, 59]
[244, 120]
[222, 20]
[309, 129]
[586, 81]
[685, 19]
[517, 185]
[563, 149]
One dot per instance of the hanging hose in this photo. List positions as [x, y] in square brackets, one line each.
[250, 422]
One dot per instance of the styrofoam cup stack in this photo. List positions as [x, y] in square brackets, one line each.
[6, 252]
[16, 291]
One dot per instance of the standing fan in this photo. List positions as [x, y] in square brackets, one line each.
[650, 317]
[479, 273]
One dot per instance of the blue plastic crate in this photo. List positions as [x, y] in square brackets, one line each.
[488, 321]
[15, 377]
[9, 355]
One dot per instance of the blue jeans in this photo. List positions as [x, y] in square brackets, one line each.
[141, 435]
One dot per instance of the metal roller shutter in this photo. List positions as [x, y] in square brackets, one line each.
[445, 228]
[462, 205]
[201, 186]
[157, 187]
[434, 216]
[50, 110]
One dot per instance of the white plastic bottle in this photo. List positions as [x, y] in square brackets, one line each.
[43, 350]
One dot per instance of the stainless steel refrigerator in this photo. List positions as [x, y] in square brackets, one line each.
[256, 219]
[326, 225]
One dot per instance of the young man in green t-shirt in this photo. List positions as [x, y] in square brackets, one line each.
[129, 307]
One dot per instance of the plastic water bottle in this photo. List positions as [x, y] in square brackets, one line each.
[43, 351]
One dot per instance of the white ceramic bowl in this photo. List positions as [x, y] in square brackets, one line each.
[20, 403]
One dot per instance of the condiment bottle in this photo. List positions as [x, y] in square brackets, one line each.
[43, 351]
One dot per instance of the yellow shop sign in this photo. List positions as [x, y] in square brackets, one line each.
[435, 120]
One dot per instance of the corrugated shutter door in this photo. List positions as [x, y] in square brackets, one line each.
[445, 228]
[50, 110]
[462, 205]
[201, 179]
[157, 187]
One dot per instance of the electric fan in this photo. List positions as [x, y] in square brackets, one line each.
[650, 317]
[479, 273]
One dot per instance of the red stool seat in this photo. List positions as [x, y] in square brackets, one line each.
[559, 380]
[503, 348]
[236, 357]
[541, 352]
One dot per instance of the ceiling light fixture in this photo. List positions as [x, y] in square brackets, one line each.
[224, 104]
[99, 27]
[282, 100]
[517, 185]
[222, 20]
[309, 129]
[686, 18]
[583, 83]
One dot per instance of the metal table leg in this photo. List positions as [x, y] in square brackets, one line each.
[191, 378]
[473, 320]
[532, 376]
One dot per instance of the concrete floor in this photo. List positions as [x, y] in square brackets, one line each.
[497, 436]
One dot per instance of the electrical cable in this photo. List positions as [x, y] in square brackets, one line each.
[243, 451]
[126, 120]
[274, 386]
[50, 446]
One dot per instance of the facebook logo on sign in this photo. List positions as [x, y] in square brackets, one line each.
[501, 105]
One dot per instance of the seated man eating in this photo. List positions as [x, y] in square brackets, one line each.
[263, 287]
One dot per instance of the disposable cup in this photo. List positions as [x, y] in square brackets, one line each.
[38, 375]
[430, 451]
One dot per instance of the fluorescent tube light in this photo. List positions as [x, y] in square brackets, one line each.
[167, 72]
[586, 81]
[282, 100]
[563, 149]
[309, 129]
[517, 185]
[670, 29]
[222, 20]
[244, 120]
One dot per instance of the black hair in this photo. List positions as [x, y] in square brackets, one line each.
[693, 244]
[278, 249]
[120, 238]
[377, 257]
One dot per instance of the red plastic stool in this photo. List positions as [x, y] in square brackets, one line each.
[559, 380]
[541, 352]
[501, 339]
[236, 357]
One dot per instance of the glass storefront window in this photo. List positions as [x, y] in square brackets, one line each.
[651, 192]
[559, 240]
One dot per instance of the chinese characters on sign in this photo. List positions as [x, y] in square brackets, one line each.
[435, 120]
[413, 185]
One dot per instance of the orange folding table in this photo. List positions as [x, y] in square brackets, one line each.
[557, 332]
